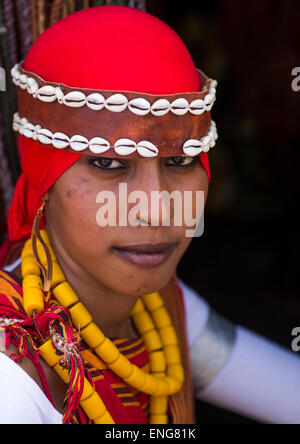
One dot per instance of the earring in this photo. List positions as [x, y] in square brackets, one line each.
[36, 235]
[33, 288]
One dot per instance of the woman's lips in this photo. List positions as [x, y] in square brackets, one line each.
[146, 255]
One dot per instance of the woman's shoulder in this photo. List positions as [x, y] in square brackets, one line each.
[21, 400]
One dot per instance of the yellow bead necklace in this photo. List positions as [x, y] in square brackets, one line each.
[150, 317]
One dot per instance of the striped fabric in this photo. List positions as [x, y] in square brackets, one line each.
[125, 404]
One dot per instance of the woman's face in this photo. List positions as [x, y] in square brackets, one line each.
[73, 216]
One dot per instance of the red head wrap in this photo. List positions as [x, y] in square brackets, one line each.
[108, 48]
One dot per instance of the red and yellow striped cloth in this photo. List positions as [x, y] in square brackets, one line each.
[124, 403]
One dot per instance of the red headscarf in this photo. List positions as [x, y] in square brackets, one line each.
[104, 47]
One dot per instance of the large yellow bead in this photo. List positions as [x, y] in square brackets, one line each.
[93, 406]
[161, 317]
[57, 275]
[107, 351]
[152, 340]
[151, 385]
[92, 335]
[176, 371]
[158, 419]
[122, 367]
[27, 250]
[164, 388]
[32, 281]
[160, 375]
[42, 254]
[137, 379]
[88, 390]
[139, 307]
[29, 266]
[172, 354]
[168, 386]
[168, 335]
[45, 236]
[33, 301]
[65, 295]
[153, 301]
[157, 361]
[158, 405]
[48, 353]
[175, 385]
[105, 419]
[80, 316]
[143, 322]
[62, 373]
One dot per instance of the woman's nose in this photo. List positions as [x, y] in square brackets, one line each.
[156, 208]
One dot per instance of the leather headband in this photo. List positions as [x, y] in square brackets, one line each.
[125, 124]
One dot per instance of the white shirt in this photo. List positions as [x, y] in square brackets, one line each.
[259, 379]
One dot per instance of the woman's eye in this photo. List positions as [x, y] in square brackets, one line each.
[106, 164]
[183, 160]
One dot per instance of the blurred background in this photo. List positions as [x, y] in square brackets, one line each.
[246, 263]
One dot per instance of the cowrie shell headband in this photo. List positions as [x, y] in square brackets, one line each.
[117, 123]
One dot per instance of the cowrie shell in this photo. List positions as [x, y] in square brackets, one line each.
[23, 81]
[180, 106]
[74, 99]
[16, 122]
[46, 94]
[32, 85]
[139, 106]
[17, 117]
[79, 143]
[116, 103]
[209, 99]
[15, 81]
[28, 130]
[206, 141]
[15, 72]
[36, 129]
[95, 101]
[147, 149]
[24, 121]
[60, 140]
[192, 147]
[197, 107]
[98, 145]
[44, 136]
[160, 107]
[16, 126]
[59, 94]
[213, 143]
[124, 147]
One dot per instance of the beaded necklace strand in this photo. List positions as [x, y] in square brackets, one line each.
[150, 317]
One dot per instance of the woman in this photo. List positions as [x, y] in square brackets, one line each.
[85, 127]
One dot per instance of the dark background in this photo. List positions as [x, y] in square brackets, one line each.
[246, 263]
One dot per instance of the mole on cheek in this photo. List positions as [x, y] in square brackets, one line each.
[69, 194]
